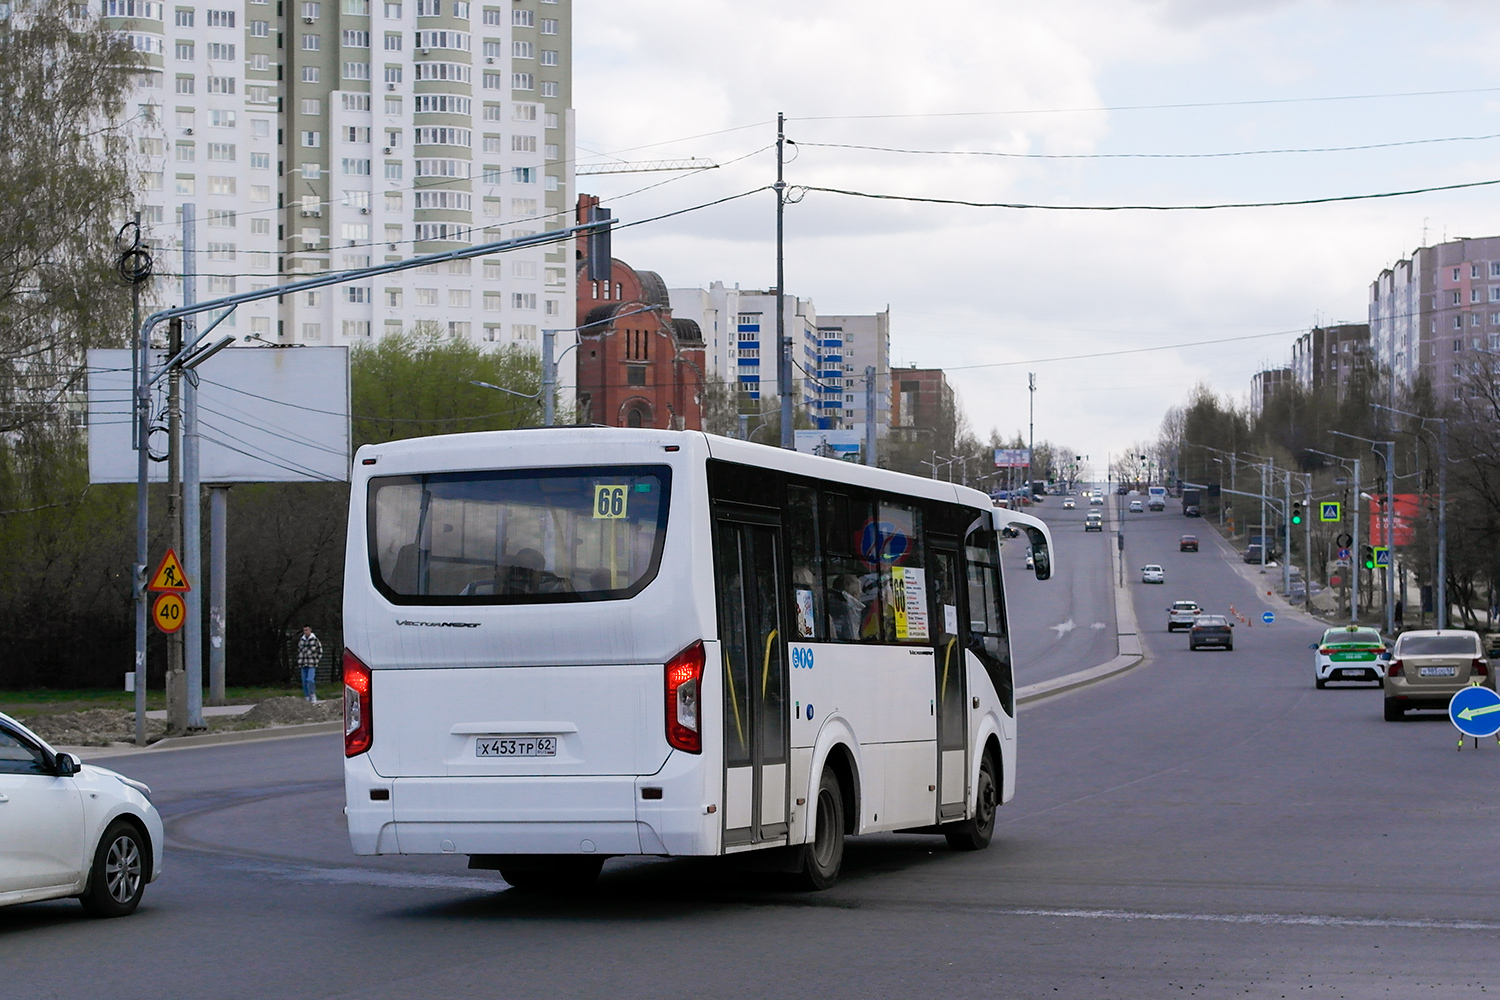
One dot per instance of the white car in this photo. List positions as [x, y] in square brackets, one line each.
[1069, 503]
[72, 829]
[1182, 614]
[1136, 508]
[1096, 501]
[1152, 574]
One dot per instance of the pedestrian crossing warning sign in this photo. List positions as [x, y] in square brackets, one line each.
[1330, 511]
[169, 575]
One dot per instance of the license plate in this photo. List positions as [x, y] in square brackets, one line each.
[1437, 671]
[1351, 673]
[518, 746]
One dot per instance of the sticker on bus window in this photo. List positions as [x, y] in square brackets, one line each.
[805, 613]
[909, 601]
[609, 501]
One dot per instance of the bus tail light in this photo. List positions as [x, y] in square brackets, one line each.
[1394, 670]
[684, 676]
[359, 732]
[1479, 669]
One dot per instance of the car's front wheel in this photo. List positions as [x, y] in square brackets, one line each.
[117, 879]
[1320, 683]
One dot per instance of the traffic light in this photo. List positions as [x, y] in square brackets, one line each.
[1367, 556]
[1296, 513]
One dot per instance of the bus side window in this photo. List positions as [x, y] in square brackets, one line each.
[987, 632]
[850, 584]
[808, 606]
[903, 573]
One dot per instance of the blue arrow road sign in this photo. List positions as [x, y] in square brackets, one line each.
[1330, 512]
[1475, 711]
[1382, 556]
[1269, 618]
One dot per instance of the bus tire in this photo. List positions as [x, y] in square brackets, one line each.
[974, 833]
[552, 873]
[822, 859]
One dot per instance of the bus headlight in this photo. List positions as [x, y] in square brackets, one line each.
[684, 677]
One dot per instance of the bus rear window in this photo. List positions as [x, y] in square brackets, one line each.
[517, 537]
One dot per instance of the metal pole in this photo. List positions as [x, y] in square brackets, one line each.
[870, 415]
[142, 498]
[1354, 553]
[1030, 425]
[1286, 531]
[218, 563]
[1442, 572]
[177, 708]
[549, 378]
[192, 529]
[1390, 537]
[783, 346]
[1307, 544]
[1264, 471]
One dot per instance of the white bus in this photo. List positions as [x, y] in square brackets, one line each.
[570, 644]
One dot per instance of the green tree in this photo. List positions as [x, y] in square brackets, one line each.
[415, 384]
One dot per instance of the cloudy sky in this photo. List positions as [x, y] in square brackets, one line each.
[991, 294]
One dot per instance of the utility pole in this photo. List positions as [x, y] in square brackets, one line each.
[1442, 571]
[135, 266]
[192, 528]
[783, 345]
[870, 415]
[1286, 530]
[177, 706]
[1031, 427]
[218, 566]
[1354, 554]
[1264, 472]
[549, 378]
[1307, 542]
[1390, 536]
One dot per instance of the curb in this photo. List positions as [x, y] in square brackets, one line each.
[1127, 643]
[208, 740]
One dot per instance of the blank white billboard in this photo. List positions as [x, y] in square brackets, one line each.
[265, 415]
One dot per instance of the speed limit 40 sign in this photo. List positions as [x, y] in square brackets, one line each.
[169, 612]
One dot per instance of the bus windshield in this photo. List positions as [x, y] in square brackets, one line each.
[517, 537]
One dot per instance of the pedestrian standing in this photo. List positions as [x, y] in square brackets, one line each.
[309, 655]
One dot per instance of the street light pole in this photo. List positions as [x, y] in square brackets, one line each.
[783, 345]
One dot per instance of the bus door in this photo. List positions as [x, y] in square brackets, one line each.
[753, 640]
[947, 612]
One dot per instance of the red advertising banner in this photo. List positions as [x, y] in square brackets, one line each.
[1406, 509]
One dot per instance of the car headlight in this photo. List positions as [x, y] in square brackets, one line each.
[139, 786]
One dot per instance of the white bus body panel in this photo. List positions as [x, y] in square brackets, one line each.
[444, 675]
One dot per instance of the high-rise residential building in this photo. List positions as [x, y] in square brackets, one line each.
[716, 310]
[1437, 314]
[1264, 385]
[1329, 357]
[314, 135]
[860, 342]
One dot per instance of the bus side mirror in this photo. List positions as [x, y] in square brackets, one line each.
[1041, 556]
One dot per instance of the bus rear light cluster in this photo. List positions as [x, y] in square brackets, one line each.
[684, 680]
[359, 722]
[1394, 670]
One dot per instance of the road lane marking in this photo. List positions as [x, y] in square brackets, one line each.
[1268, 919]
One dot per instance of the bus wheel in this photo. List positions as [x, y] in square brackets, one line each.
[974, 833]
[552, 873]
[822, 858]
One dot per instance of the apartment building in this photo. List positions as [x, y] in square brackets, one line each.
[716, 310]
[1265, 384]
[1437, 314]
[851, 344]
[1327, 358]
[324, 135]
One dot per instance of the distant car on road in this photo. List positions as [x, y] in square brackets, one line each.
[1094, 522]
[1211, 630]
[1191, 510]
[1348, 653]
[1096, 501]
[1252, 554]
[1069, 503]
[1156, 503]
[72, 829]
[1429, 666]
[1030, 560]
[1187, 543]
[1121, 490]
[1153, 574]
[1136, 508]
[1182, 614]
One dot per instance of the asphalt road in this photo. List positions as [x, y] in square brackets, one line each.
[1066, 623]
[1206, 824]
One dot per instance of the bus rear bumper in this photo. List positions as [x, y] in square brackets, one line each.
[603, 814]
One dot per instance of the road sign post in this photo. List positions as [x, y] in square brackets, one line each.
[1475, 711]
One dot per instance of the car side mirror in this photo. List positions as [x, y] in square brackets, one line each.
[66, 765]
[1312, 645]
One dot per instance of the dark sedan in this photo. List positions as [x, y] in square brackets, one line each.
[1187, 543]
[1211, 630]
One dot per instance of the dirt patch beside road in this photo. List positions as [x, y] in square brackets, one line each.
[101, 727]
